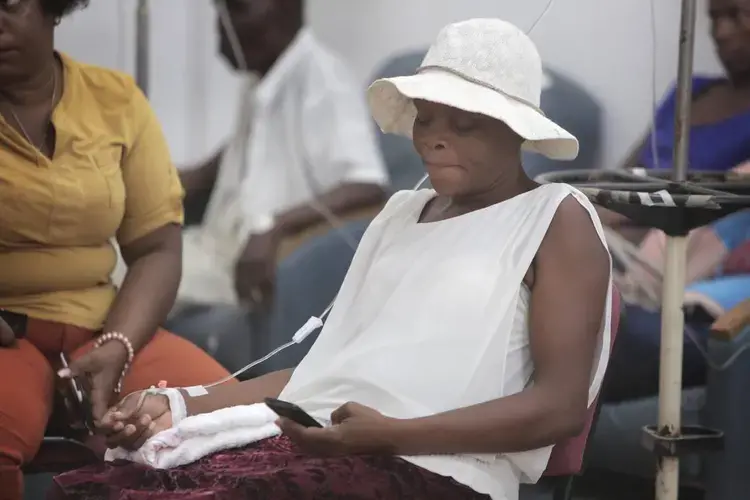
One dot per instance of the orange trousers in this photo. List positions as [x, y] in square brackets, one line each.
[27, 385]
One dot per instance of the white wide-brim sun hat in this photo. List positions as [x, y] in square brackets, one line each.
[485, 66]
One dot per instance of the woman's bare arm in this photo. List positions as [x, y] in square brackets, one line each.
[150, 286]
[245, 393]
[567, 305]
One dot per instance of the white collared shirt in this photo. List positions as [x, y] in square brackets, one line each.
[302, 130]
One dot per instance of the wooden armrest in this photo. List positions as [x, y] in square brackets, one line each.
[292, 243]
[733, 322]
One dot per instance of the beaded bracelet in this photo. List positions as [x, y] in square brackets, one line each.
[107, 337]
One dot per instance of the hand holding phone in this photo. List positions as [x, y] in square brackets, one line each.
[77, 400]
[7, 335]
[292, 412]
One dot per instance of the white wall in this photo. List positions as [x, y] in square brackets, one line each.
[603, 44]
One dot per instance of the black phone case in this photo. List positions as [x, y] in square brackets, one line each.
[75, 395]
[292, 412]
[82, 405]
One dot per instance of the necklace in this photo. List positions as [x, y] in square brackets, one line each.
[18, 121]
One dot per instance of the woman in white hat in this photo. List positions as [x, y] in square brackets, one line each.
[457, 300]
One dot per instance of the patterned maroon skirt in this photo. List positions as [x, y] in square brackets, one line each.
[273, 469]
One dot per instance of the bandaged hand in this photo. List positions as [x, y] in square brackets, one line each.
[135, 419]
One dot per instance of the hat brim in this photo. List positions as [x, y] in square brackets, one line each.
[392, 107]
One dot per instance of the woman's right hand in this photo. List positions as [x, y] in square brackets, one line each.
[129, 425]
[7, 337]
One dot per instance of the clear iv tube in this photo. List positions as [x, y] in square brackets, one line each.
[273, 353]
[295, 340]
[253, 364]
[234, 39]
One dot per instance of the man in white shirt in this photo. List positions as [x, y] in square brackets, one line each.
[304, 144]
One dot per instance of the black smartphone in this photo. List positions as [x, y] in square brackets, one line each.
[79, 401]
[292, 412]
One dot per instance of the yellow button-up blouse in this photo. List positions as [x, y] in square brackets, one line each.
[111, 177]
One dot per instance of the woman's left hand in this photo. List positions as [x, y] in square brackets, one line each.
[102, 368]
[356, 430]
[136, 419]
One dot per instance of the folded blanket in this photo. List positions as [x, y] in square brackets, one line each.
[195, 437]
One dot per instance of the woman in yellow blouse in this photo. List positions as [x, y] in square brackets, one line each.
[83, 162]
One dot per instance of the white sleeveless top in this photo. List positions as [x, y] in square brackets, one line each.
[434, 316]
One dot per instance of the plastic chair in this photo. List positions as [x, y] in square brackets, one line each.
[567, 460]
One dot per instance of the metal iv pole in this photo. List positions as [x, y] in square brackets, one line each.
[673, 318]
[142, 23]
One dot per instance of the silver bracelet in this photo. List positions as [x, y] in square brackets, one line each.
[119, 337]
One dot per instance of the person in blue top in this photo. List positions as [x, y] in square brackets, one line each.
[719, 141]
[720, 119]
[720, 128]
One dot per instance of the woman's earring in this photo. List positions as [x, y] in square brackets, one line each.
[57, 21]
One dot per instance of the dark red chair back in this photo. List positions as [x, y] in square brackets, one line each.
[567, 456]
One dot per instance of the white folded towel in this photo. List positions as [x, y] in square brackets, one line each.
[195, 437]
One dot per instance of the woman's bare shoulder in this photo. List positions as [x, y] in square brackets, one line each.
[572, 235]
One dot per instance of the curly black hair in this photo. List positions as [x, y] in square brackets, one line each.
[60, 8]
